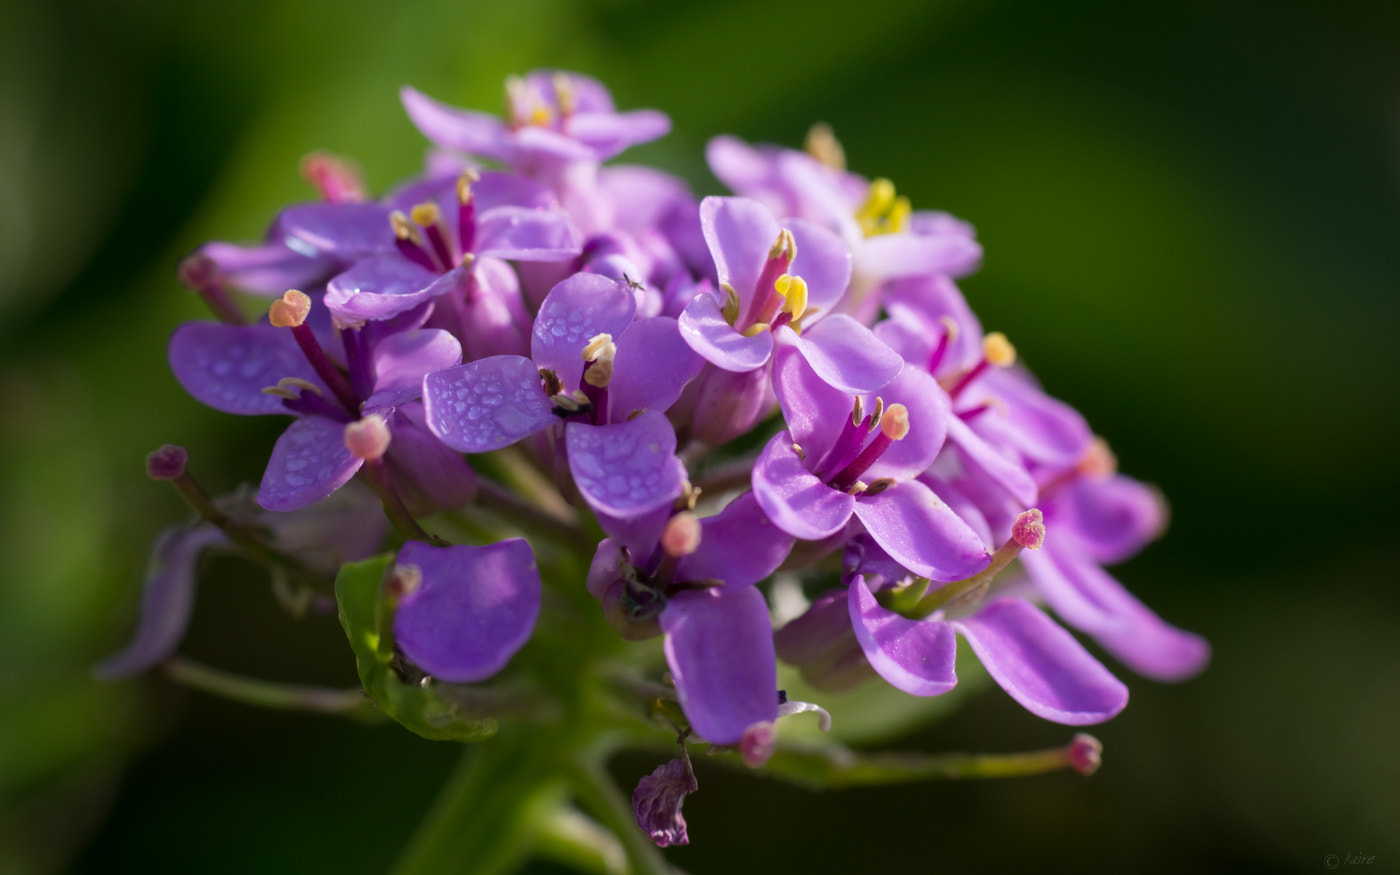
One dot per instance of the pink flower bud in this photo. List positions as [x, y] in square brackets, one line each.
[1084, 753]
[167, 463]
[1029, 529]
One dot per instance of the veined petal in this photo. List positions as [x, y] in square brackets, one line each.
[921, 532]
[1041, 665]
[309, 462]
[475, 133]
[739, 546]
[846, 354]
[574, 312]
[475, 608]
[227, 366]
[916, 656]
[719, 646]
[525, 234]
[486, 404]
[793, 498]
[704, 328]
[651, 369]
[628, 468]
[166, 602]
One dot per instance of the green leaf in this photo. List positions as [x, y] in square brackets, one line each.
[358, 593]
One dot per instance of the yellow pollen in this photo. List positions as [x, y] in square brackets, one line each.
[540, 116]
[464, 185]
[425, 214]
[784, 246]
[895, 423]
[600, 348]
[883, 212]
[794, 292]
[998, 350]
[564, 94]
[822, 145]
[290, 310]
[600, 375]
[756, 329]
[402, 229]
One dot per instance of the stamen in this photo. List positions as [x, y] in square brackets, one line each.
[822, 145]
[794, 292]
[600, 353]
[564, 94]
[429, 218]
[996, 351]
[200, 274]
[410, 243]
[730, 310]
[894, 426]
[425, 214]
[883, 212]
[763, 306]
[1029, 529]
[950, 336]
[756, 329]
[290, 311]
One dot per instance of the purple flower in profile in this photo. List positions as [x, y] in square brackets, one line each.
[466, 610]
[835, 461]
[693, 580]
[777, 278]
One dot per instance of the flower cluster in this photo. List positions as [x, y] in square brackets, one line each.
[784, 379]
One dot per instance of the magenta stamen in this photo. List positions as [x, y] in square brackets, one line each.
[444, 255]
[936, 358]
[325, 368]
[597, 396]
[851, 473]
[766, 301]
[973, 412]
[416, 254]
[967, 378]
[466, 225]
[847, 446]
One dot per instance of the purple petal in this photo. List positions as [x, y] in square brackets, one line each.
[814, 410]
[793, 498]
[487, 404]
[823, 646]
[475, 608]
[589, 94]
[642, 196]
[928, 409]
[928, 299]
[916, 656]
[1011, 475]
[1041, 665]
[704, 329]
[891, 256]
[227, 366]
[846, 354]
[495, 189]
[719, 646]
[628, 468]
[575, 311]
[347, 231]
[402, 360]
[739, 233]
[823, 261]
[651, 369]
[436, 471]
[739, 546]
[472, 132]
[269, 268]
[1090, 599]
[657, 803]
[525, 234]
[166, 602]
[1046, 430]
[1111, 519]
[921, 532]
[490, 315]
[380, 288]
[748, 171]
[610, 133]
[309, 462]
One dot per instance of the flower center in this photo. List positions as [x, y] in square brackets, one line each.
[883, 212]
[853, 454]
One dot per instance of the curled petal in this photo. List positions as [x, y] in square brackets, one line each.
[657, 803]
[166, 602]
[916, 656]
[475, 607]
[1041, 665]
[309, 462]
[719, 646]
[487, 404]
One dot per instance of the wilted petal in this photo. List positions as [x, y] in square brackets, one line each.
[524, 234]
[227, 366]
[921, 533]
[309, 462]
[475, 608]
[916, 656]
[739, 546]
[651, 369]
[487, 404]
[847, 355]
[627, 468]
[719, 646]
[575, 311]
[705, 330]
[381, 288]
[1041, 665]
[657, 803]
[166, 602]
[794, 498]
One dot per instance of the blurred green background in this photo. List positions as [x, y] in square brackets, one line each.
[1191, 213]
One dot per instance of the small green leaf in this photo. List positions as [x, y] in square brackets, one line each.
[358, 593]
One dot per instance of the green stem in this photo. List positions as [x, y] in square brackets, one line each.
[289, 697]
[531, 519]
[570, 837]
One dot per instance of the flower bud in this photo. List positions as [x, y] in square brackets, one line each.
[1085, 753]
[167, 463]
[757, 744]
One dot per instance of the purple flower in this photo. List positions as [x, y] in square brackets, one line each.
[470, 608]
[835, 461]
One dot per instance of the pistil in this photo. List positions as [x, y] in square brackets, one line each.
[997, 351]
[766, 300]
[1027, 532]
[894, 426]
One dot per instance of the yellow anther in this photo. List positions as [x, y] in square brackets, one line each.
[368, 438]
[290, 310]
[783, 247]
[950, 328]
[998, 350]
[564, 94]
[403, 229]
[756, 329]
[600, 347]
[730, 310]
[883, 212]
[425, 214]
[822, 145]
[857, 412]
[878, 414]
[794, 292]
[895, 423]
[600, 374]
[464, 185]
[299, 383]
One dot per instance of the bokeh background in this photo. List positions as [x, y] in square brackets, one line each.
[1191, 212]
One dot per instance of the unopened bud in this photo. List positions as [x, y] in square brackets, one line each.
[197, 272]
[368, 438]
[1085, 753]
[998, 350]
[167, 463]
[757, 744]
[337, 179]
[290, 310]
[1029, 529]
[682, 534]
